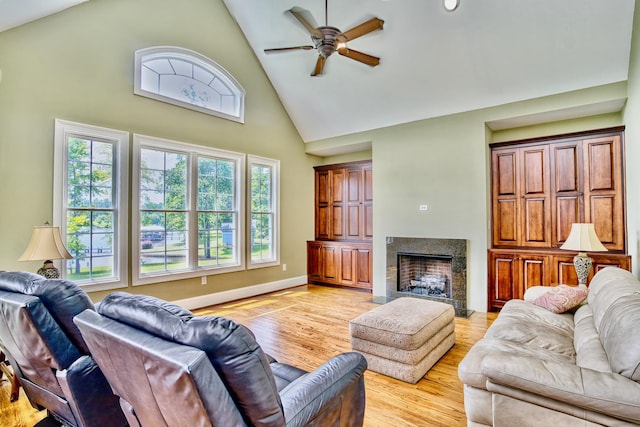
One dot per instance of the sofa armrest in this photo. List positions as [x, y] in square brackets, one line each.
[602, 392]
[89, 394]
[314, 394]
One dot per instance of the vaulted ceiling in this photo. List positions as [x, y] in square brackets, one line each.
[433, 62]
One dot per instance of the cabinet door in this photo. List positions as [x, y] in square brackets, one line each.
[364, 266]
[337, 196]
[535, 213]
[330, 263]
[504, 187]
[314, 261]
[512, 273]
[566, 194]
[504, 276]
[603, 193]
[347, 266]
[563, 270]
[535, 272]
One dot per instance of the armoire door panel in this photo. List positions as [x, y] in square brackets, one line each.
[535, 221]
[354, 182]
[506, 174]
[567, 212]
[368, 184]
[337, 229]
[601, 214]
[600, 163]
[368, 221]
[353, 221]
[565, 160]
[507, 226]
[337, 186]
[322, 222]
[322, 187]
[534, 173]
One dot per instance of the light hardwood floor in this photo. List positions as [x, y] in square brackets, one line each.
[305, 326]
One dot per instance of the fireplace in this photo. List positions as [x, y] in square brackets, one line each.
[428, 268]
[425, 274]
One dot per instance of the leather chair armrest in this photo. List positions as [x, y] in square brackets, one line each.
[316, 391]
[85, 387]
[602, 392]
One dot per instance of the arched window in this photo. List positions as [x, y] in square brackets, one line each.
[185, 78]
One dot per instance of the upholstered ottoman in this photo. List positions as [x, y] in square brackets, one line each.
[405, 337]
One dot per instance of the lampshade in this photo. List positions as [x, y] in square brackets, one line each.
[46, 244]
[583, 238]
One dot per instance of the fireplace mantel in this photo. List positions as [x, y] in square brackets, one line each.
[454, 248]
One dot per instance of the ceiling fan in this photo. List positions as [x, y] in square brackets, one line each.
[328, 39]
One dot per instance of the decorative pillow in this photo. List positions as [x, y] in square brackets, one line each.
[532, 293]
[561, 298]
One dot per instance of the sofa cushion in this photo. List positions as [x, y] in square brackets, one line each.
[620, 336]
[561, 298]
[231, 348]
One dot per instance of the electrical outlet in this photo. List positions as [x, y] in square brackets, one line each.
[203, 280]
[284, 267]
[424, 207]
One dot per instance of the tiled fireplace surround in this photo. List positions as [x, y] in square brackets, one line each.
[455, 249]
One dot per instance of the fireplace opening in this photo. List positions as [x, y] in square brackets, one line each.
[425, 274]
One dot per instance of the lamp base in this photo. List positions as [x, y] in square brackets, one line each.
[48, 270]
[582, 263]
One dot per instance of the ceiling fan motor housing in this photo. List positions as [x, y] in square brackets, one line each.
[328, 41]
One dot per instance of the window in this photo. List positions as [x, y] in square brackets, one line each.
[187, 212]
[90, 171]
[263, 215]
[185, 78]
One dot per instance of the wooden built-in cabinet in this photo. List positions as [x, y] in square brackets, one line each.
[511, 273]
[539, 188]
[340, 263]
[342, 251]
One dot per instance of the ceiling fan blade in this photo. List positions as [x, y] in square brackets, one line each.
[364, 28]
[304, 17]
[359, 56]
[279, 49]
[319, 66]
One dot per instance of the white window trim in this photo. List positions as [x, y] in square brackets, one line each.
[197, 58]
[275, 198]
[144, 141]
[63, 129]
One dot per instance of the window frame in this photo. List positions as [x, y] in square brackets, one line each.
[274, 165]
[63, 130]
[194, 152]
[219, 72]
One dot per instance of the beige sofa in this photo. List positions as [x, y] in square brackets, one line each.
[537, 368]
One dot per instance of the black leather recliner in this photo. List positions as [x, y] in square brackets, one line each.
[172, 368]
[48, 354]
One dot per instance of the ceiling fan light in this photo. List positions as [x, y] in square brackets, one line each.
[451, 5]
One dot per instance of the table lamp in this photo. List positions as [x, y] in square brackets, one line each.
[583, 239]
[46, 244]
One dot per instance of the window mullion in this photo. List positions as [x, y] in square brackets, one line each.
[192, 217]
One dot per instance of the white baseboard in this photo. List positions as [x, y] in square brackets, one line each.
[235, 294]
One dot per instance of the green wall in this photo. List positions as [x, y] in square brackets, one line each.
[444, 162]
[632, 143]
[78, 65]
